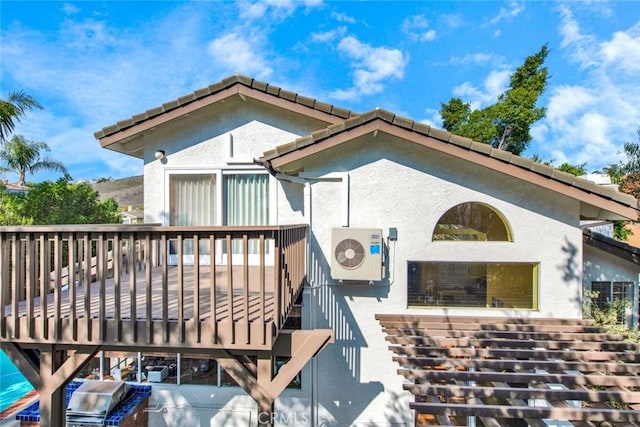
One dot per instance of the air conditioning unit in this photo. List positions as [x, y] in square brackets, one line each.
[356, 254]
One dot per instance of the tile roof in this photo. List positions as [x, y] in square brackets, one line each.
[611, 245]
[449, 138]
[219, 87]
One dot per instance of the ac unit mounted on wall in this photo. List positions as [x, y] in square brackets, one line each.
[356, 254]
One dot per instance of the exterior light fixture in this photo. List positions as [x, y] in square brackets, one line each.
[159, 154]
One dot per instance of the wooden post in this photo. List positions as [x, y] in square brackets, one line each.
[266, 407]
[52, 393]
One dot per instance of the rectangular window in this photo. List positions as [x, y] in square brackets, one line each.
[613, 296]
[473, 284]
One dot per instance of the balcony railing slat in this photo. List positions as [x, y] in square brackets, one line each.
[101, 272]
[277, 280]
[117, 285]
[148, 286]
[214, 281]
[15, 285]
[165, 286]
[229, 243]
[45, 284]
[131, 265]
[57, 285]
[245, 291]
[262, 296]
[4, 278]
[30, 283]
[72, 265]
[196, 285]
[180, 288]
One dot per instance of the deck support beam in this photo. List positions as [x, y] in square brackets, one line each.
[260, 381]
[56, 368]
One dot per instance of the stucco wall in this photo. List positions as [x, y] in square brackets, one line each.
[600, 265]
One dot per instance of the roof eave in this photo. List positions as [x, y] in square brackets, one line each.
[609, 202]
[236, 86]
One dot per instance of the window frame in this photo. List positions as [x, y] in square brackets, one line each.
[219, 177]
[435, 289]
[503, 219]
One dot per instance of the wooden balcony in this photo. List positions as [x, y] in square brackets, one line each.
[127, 287]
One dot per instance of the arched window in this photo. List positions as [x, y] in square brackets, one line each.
[472, 221]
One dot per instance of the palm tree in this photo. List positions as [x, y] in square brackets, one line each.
[12, 108]
[22, 156]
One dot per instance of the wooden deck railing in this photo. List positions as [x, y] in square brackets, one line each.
[225, 287]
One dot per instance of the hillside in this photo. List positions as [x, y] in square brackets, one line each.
[126, 191]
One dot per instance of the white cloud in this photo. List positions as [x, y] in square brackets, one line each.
[566, 101]
[70, 9]
[276, 9]
[476, 58]
[623, 51]
[494, 84]
[237, 54]
[328, 36]
[513, 9]
[432, 118]
[581, 46]
[87, 34]
[452, 21]
[372, 66]
[417, 28]
[343, 17]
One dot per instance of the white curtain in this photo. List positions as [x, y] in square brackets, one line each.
[193, 202]
[246, 198]
[193, 199]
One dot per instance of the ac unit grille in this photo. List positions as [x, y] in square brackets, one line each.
[349, 253]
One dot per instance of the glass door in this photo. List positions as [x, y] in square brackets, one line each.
[192, 202]
[246, 202]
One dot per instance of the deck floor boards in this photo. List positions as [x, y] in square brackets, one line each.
[204, 279]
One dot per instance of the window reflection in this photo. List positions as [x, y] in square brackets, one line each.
[473, 284]
[472, 222]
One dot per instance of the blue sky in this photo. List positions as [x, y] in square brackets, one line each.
[93, 63]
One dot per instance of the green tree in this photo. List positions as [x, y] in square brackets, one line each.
[505, 124]
[22, 156]
[576, 170]
[60, 202]
[12, 108]
[627, 175]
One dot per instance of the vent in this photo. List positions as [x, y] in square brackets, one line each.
[349, 253]
[356, 254]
